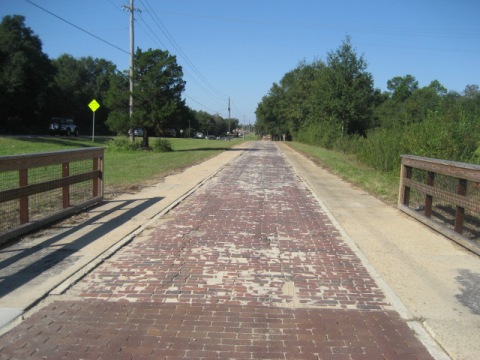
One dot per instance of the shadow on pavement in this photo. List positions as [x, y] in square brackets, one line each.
[20, 264]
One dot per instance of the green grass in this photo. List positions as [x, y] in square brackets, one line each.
[380, 184]
[124, 169]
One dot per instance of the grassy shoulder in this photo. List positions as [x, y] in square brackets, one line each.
[382, 185]
[125, 169]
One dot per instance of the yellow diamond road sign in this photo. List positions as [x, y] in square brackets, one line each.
[94, 105]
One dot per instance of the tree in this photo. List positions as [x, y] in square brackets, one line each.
[471, 91]
[26, 76]
[158, 85]
[157, 90]
[205, 121]
[402, 87]
[79, 81]
[349, 91]
[270, 120]
[117, 99]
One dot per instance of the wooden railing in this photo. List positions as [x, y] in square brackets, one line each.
[444, 195]
[37, 189]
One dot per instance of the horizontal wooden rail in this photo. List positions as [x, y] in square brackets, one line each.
[17, 192]
[458, 176]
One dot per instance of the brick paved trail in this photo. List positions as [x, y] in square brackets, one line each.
[247, 267]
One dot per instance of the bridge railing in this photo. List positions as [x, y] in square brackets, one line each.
[444, 195]
[37, 189]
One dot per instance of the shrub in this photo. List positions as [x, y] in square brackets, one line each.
[123, 143]
[162, 145]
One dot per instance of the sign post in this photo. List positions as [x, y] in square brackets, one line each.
[94, 105]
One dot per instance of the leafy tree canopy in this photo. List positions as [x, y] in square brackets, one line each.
[26, 75]
[158, 85]
[402, 87]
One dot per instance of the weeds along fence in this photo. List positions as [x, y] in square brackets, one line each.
[37, 189]
[444, 195]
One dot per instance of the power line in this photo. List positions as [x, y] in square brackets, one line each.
[213, 91]
[77, 27]
[213, 111]
[163, 45]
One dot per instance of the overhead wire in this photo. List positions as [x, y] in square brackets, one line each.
[153, 35]
[213, 91]
[77, 27]
[202, 82]
[205, 107]
[184, 70]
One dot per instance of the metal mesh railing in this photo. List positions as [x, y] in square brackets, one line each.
[37, 188]
[444, 194]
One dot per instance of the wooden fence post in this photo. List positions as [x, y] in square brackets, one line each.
[460, 211]
[23, 181]
[429, 198]
[66, 188]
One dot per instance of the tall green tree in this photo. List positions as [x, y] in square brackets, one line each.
[79, 81]
[350, 95]
[205, 121]
[26, 76]
[269, 113]
[157, 91]
[158, 85]
[402, 87]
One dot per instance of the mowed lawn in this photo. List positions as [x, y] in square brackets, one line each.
[123, 168]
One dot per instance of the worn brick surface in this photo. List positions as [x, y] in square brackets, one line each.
[248, 267]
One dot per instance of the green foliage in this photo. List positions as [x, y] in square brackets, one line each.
[162, 145]
[381, 149]
[349, 87]
[336, 95]
[384, 185]
[324, 134]
[333, 105]
[158, 88]
[122, 143]
[79, 81]
[26, 76]
[402, 87]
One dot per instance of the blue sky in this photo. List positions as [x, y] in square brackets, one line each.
[238, 48]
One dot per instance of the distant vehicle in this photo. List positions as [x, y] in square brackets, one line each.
[63, 126]
[171, 132]
[211, 137]
[138, 132]
[198, 135]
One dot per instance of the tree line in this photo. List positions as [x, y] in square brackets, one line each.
[334, 104]
[34, 88]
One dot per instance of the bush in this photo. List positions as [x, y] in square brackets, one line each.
[323, 134]
[123, 143]
[162, 145]
[382, 149]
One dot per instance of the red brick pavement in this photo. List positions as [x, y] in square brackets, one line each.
[248, 267]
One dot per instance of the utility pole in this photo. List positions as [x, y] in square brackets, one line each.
[229, 119]
[131, 9]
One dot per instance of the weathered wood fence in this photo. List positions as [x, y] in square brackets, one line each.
[444, 195]
[37, 189]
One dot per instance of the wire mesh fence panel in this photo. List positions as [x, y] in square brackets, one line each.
[9, 215]
[44, 204]
[444, 194]
[39, 186]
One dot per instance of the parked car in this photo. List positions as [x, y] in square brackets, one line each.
[63, 126]
[211, 137]
[138, 132]
[198, 135]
